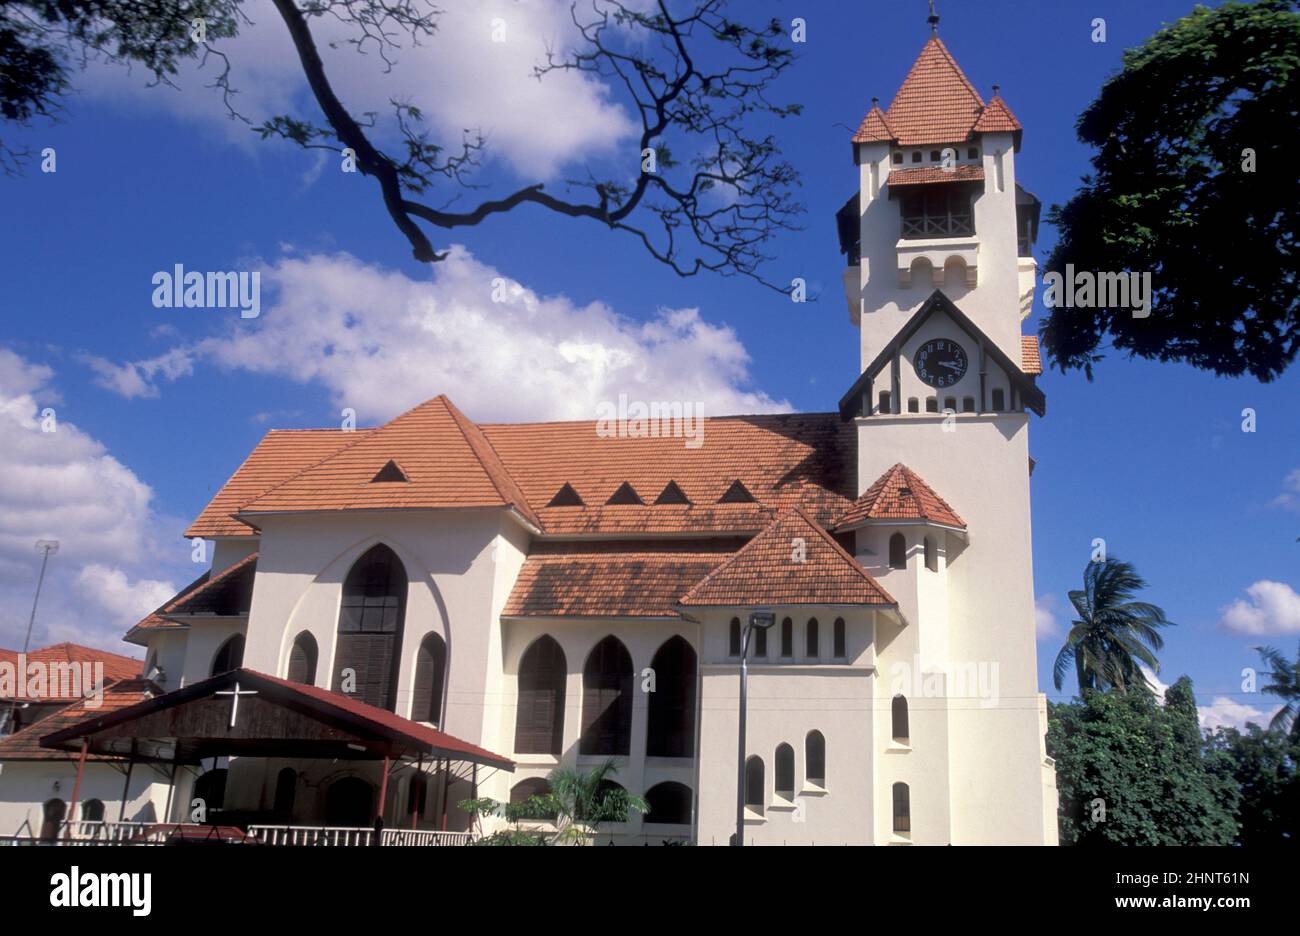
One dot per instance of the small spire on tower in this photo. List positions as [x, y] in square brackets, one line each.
[933, 20]
[996, 90]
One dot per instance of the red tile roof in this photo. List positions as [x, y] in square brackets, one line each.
[928, 175]
[613, 579]
[935, 104]
[792, 562]
[26, 744]
[997, 118]
[874, 127]
[117, 667]
[1030, 360]
[900, 494]
[281, 454]
[449, 462]
[230, 592]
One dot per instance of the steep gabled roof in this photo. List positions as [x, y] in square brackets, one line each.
[281, 454]
[117, 667]
[792, 562]
[1031, 362]
[25, 745]
[851, 402]
[997, 118]
[228, 593]
[900, 494]
[446, 458]
[874, 127]
[936, 102]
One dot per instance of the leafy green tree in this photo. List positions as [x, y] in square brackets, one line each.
[1114, 633]
[1130, 771]
[1265, 765]
[1193, 180]
[1285, 684]
[573, 809]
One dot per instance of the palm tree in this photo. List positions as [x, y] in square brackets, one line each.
[1114, 634]
[1286, 686]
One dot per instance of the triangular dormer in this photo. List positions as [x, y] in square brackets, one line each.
[672, 494]
[736, 494]
[566, 496]
[626, 494]
[390, 472]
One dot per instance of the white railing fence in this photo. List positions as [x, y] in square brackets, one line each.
[338, 835]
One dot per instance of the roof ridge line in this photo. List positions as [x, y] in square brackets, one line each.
[523, 506]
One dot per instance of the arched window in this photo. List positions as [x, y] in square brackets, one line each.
[813, 649]
[754, 784]
[670, 730]
[999, 399]
[302, 660]
[607, 699]
[898, 713]
[211, 788]
[950, 403]
[370, 628]
[838, 639]
[350, 803]
[787, 637]
[417, 792]
[430, 671]
[286, 791]
[733, 638]
[760, 641]
[968, 404]
[524, 790]
[897, 552]
[539, 714]
[913, 405]
[52, 813]
[902, 808]
[931, 555]
[92, 810]
[670, 803]
[814, 758]
[931, 404]
[230, 656]
[785, 771]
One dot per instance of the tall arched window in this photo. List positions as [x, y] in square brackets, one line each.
[350, 803]
[999, 399]
[670, 730]
[286, 791]
[931, 555]
[52, 813]
[787, 637]
[211, 788]
[839, 639]
[733, 638]
[897, 552]
[754, 784]
[230, 656]
[370, 628]
[814, 649]
[902, 808]
[785, 771]
[607, 699]
[524, 790]
[670, 803]
[302, 660]
[539, 714]
[417, 792]
[430, 671]
[92, 810]
[898, 716]
[814, 758]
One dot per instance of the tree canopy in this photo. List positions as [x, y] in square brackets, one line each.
[1194, 181]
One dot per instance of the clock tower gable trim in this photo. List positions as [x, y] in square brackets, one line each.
[852, 405]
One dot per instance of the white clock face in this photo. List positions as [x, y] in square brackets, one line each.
[940, 362]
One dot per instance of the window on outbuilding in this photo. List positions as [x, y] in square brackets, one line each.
[733, 638]
[92, 810]
[787, 638]
[838, 639]
[897, 551]
[813, 650]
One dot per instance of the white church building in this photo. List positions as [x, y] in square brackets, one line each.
[553, 595]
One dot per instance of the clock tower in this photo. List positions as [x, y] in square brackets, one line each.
[940, 275]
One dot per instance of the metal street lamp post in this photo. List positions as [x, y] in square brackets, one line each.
[761, 620]
[49, 548]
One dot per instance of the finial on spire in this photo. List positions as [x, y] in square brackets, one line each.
[875, 102]
[933, 20]
[996, 90]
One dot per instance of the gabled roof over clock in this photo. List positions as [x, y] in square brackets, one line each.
[851, 404]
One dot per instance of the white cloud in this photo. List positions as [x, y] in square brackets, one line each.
[382, 342]
[1290, 496]
[1045, 607]
[1225, 712]
[1271, 608]
[1160, 687]
[459, 77]
[64, 485]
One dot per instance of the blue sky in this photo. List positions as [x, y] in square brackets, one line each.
[158, 406]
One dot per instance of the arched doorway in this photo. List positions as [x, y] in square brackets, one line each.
[350, 803]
